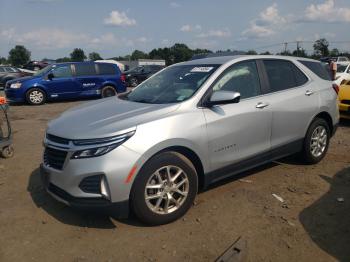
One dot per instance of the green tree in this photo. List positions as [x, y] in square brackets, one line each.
[3, 61]
[93, 56]
[137, 54]
[19, 55]
[77, 55]
[251, 52]
[321, 47]
[334, 52]
[265, 53]
[63, 59]
[300, 53]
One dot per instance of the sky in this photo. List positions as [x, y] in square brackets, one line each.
[53, 28]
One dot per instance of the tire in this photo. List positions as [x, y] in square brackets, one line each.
[134, 82]
[153, 211]
[319, 135]
[7, 152]
[108, 91]
[35, 96]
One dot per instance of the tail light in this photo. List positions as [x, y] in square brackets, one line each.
[336, 88]
[122, 77]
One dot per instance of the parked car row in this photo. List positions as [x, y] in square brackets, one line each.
[150, 150]
[8, 73]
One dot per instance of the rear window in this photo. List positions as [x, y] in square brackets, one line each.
[85, 69]
[283, 75]
[107, 69]
[317, 68]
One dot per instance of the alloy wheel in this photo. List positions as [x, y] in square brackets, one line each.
[166, 190]
[319, 141]
[36, 97]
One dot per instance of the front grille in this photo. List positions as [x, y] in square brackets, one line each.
[54, 158]
[57, 139]
[347, 102]
[91, 184]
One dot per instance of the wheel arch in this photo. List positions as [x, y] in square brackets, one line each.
[190, 155]
[36, 87]
[327, 117]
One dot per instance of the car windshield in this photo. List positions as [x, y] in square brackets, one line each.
[341, 68]
[43, 71]
[172, 85]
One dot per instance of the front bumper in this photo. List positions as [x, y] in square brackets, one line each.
[14, 95]
[65, 184]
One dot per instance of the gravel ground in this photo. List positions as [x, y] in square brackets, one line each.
[313, 222]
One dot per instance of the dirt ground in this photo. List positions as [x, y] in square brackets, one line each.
[312, 224]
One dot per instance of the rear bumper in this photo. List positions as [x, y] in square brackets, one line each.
[119, 209]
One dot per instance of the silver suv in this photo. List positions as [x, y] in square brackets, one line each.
[189, 125]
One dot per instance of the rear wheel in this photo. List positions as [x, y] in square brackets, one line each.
[316, 141]
[7, 152]
[108, 91]
[165, 189]
[36, 96]
[134, 82]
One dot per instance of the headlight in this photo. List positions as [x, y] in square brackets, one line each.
[15, 85]
[113, 142]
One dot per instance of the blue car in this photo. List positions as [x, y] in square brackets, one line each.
[67, 81]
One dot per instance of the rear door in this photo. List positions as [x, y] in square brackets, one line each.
[293, 100]
[87, 79]
[242, 130]
[61, 85]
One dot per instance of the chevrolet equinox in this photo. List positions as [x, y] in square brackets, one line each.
[189, 125]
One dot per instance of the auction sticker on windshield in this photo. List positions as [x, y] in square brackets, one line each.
[202, 69]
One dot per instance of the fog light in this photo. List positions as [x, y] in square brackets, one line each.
[105, 189]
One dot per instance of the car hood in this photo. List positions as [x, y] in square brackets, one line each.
[106, 117]
[23, 79]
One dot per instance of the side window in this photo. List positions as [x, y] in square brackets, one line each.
[9, 69]
[2, 69]
[283, 75]
[242, 78]
[85, 69]
[62, 71]
[107, 69]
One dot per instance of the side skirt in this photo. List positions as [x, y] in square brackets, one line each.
[253, 162]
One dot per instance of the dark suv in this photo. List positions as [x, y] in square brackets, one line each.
[138, 74]
[8, 73]
[67, 81]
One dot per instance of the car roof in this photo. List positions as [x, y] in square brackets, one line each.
[220, 60]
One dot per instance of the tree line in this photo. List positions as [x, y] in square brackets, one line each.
[179, 52]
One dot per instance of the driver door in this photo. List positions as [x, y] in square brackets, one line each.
[238, 131]
[61, 85]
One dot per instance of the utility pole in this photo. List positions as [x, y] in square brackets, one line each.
[285, 47]
[298, 47]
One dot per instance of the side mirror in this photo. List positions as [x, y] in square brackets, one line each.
[223, 97]
[50, 76]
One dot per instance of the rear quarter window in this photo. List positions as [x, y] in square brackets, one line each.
[107, 69]
[283, 75]
[317, 68]
[85, 69]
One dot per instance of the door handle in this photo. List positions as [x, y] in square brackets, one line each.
[262, 105]
[309, 92]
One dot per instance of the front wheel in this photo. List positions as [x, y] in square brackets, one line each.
[316, 141]
[164, 189]
[36, 96]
